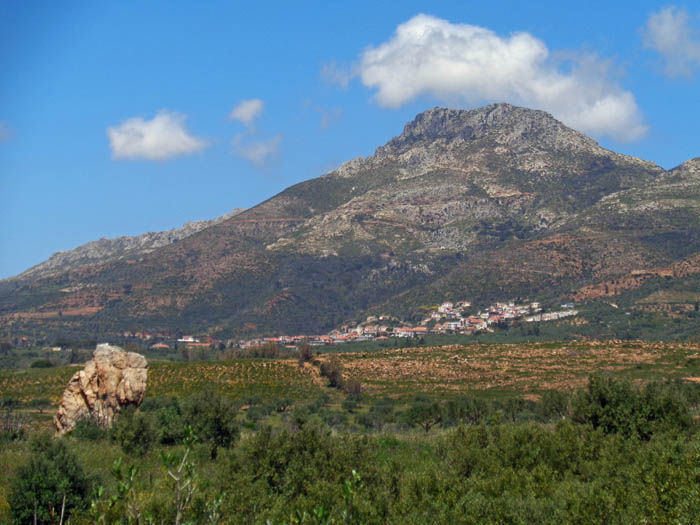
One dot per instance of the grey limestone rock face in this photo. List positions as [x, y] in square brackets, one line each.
[105, 250]
[689, 169]
[113, 379]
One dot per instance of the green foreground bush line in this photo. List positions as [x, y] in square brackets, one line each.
[612, 452]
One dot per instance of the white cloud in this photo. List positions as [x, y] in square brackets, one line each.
[669, 32]
[466, 63]
[161, 138]
[329, 115]
[339, 75]
[247, 110]
[257, 152]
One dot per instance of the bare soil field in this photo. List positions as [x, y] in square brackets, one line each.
[525, 368]
[484, 369]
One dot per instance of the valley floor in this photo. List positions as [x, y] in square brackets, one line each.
[503, 433]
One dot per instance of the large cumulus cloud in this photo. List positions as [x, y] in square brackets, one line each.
[467, 63]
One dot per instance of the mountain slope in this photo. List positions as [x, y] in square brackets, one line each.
[105, 250]
[486, 204]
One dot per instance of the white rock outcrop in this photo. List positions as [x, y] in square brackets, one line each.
[113, 379]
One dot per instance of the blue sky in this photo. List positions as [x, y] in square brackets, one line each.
[118, 118]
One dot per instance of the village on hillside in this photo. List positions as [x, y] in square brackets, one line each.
[446, 318]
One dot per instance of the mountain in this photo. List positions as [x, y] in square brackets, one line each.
[105, 250]
[487, 204]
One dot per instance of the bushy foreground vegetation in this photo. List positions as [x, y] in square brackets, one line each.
[611, 452]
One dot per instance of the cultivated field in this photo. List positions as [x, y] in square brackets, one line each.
[512, 368]
[488, 369]
[237, 379]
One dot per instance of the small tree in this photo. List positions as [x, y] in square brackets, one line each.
[135, 431]
[352, 387]
[213, 419]
[333, 370]
[12, 424]
[305, 353]
[50, 485]
[423, 413]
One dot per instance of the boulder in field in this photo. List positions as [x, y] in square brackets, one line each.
[113, 379]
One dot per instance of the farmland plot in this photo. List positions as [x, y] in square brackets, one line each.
[525, 368]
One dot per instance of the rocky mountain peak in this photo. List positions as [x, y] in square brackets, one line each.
[530, 140]
[688, 168]
[503, 123]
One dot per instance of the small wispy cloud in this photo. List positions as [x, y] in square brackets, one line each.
[160, 138]
[670, 33]
[338, 74]
[258, 152]
[247, 111]
[329, 115]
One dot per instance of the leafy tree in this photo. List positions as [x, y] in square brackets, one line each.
[465, 410]
[213, 419]
[133, 346]
[305, 353]
[617, 407]
[380, 414]
[554, 405]
[135, 431]
[168, 417]
[50, 485]
[333, 370]
[352, 387]
[424, 413]
[88, 428]
[5, 347]
[12, 424]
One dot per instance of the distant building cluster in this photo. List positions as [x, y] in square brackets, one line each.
[446, 318]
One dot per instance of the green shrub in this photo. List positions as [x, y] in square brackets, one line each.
[352, 386]
[554, 405]
[423, 413]
[12, 424]
[305, 353]
[51, 482]
[349, 404]
[41, 363]
[617, 407]
[465, 411]
[213, 419]
[89, 429]
[333, 370]
[134, 430]
[281, 473]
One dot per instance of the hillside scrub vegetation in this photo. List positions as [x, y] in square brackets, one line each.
[611, 452]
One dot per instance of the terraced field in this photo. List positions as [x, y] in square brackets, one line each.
[492, 369]
[35, 383]
[511, 368]
[238, 379]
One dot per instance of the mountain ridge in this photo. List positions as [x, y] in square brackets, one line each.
[106, 249]
[488, 203]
